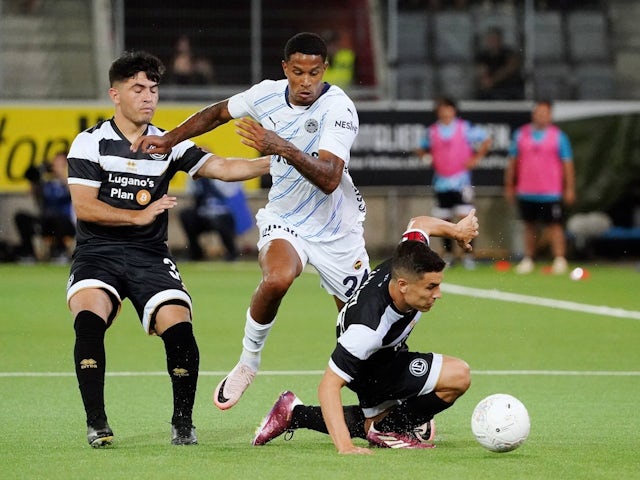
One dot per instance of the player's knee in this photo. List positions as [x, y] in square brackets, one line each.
[277, 283]
[458, 377]
[462, 376]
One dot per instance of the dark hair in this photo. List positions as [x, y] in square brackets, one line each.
[132, 62]
[444, 102]
[412, 257]
[307, 43]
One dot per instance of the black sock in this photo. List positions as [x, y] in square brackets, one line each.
[90, 362]
[412, 412]
[305, 416]
[183, 362]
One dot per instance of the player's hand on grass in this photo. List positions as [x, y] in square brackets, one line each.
[467, 230]
[353, 450]
[149, 214]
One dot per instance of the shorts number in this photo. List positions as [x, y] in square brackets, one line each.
[352, 283]
[173, 269]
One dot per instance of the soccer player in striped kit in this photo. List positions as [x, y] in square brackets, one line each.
[121, 203]
[315, 213]
[399, 391]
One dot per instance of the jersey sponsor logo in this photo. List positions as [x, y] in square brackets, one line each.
[311, 125]
[121, 194]
[158, 156]
[125, 181]
[268, 230]
[418, 367]
[347, 125]
[143, 197]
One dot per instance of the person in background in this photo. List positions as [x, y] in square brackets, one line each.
[498, 69]
[341, 58]
[541, 175]
[456, 146]
[218, 207]
[55, 221]
[399, 391]
[187, 68]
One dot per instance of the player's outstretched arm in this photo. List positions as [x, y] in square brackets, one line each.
[462, 232]
[200, 122]
[325, 171]
[333, 414]
[89, 208]
[234, 169]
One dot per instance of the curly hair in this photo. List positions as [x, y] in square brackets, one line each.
[132, 62]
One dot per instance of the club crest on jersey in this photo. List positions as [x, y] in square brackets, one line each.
[357, 265]
[418, 367]
[143, 197]
[311, 125]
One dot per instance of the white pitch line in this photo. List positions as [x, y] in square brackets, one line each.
[572, 373]
[540, 301]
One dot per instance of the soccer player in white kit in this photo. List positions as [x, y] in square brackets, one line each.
[315, 213]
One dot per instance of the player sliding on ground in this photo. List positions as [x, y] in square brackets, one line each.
[399, 391]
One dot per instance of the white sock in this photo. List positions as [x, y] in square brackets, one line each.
[255, 336]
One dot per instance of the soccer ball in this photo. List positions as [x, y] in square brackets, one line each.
[500, 423]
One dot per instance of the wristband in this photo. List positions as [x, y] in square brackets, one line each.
[416, 235]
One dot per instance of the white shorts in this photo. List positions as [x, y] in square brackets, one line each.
[343, 264]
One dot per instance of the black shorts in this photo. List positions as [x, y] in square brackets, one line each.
[148, 276]
[453, 203]
[407, 375]
[543, 212]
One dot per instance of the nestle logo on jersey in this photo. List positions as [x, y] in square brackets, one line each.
[346, 125]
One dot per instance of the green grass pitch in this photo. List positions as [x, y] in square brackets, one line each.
[550, 341]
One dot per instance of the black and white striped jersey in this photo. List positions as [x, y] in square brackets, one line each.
[370, 329]
[100, 157]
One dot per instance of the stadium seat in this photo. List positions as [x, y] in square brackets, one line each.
[453, 37]
[553, 81]
[415, 82]
[548, 42]
[456, 80]
[595, 81]
[413, 37]
[588, 36]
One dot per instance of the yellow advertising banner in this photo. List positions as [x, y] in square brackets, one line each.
[31, 134]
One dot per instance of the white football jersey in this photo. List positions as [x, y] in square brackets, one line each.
[330, 123]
